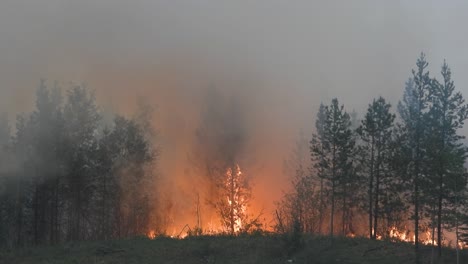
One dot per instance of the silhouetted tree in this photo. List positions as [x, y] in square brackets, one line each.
[317, 146]
[375, 133]
[81, 126]
[446, 152]
[331, 153]
[62, 177]
[413, 109]
[5, 179]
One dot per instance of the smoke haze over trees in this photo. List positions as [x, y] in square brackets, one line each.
[66, 175]
[411, 170]
[150, 145]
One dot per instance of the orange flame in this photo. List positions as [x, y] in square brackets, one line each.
[237, 199]
[151, 234]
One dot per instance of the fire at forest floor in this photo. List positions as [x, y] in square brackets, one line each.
[225, 249]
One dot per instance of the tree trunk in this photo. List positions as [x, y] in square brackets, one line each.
[19, 213]
[376, 205]
[321, 208]
[456, 228]
[52, 214]
[231, 197]
[433, 225]
[332, 210]
[441, 190]
[343, 220]
[377, 187]
[371, 187]
[36, 215]
[439, 218]
[416, 212]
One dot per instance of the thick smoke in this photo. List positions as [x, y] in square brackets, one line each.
[220, 140]
[278, 59]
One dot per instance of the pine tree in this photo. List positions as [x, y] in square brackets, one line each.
[318, 145]
[5, 159]
[446, 116]
[107, 187]
[81, 125]
[130, 155]
[375, 132]
[47, 144]
[331, 153]
[61, 178]
[412, 111]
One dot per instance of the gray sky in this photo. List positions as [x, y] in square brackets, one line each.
[282, 57]
[308, 50]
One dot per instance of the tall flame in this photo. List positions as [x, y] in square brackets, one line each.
[232, 207]
[235, 198]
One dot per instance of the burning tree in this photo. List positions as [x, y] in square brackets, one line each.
[220, 140]
[233, 202]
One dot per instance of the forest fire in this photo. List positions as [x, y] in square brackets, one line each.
[230, 209]
[237, 206]
[396, 234]
[151, 234]
[400, 235]
[172, 124]
[403, 235]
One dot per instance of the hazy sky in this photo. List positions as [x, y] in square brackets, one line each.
[307, 50]
[282, 57]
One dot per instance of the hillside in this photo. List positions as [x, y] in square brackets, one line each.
[253, 249]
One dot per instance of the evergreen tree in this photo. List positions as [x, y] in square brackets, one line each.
[81, 125]
[412, 111]
[5, 160]
[318, 146]
[47, 145]
[446, 152]
[375, 133]
[107, 188]
[62, 179]
[331, 153]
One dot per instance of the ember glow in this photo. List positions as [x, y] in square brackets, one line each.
[405, 235]
[151, 234]
[400, 235]
[237, 206]
[229, 214]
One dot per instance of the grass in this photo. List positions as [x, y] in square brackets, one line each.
[225, 249]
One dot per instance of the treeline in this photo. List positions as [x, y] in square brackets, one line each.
[366, 177]
[66, 174]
